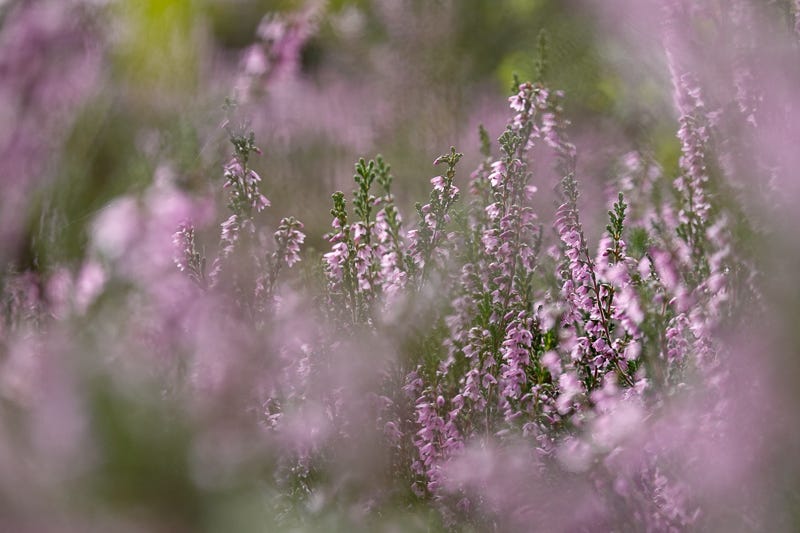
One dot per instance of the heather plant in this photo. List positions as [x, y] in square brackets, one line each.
[476, 363]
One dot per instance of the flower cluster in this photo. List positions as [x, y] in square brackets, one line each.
[434, 216]
[372, 258]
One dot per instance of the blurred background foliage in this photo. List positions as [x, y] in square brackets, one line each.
[423, 74]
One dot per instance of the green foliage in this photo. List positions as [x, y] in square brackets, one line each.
[339, 211]
[617, 218]
[363, 201]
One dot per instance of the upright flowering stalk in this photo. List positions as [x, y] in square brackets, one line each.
[244, 200]
[338, 262]
[494, 332]
[390, 249]
[741, 25]
[289, 238]
[648, 290]
[425, 241]
[187, 258]
[491, 326]
[352, 265]
[438, 438]
[363, 251]
[691, 184]
[617, 273]
[590, 309]
[694, 136]
[704, 232]
[511, 243]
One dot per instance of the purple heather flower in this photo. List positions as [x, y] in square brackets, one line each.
[289, 238]
[336, 258]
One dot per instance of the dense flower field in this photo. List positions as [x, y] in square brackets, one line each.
[540, 344]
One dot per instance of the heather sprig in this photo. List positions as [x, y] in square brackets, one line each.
[391, 249]
[390, 216]
[495, 336]
[590, 302]
[617, 224]
[187, 257]
[363, 200]
[242, 180]
[695, 121]
[434, 216]
[350, 265]
[244, 198]
[289, 239]
[339, 261]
